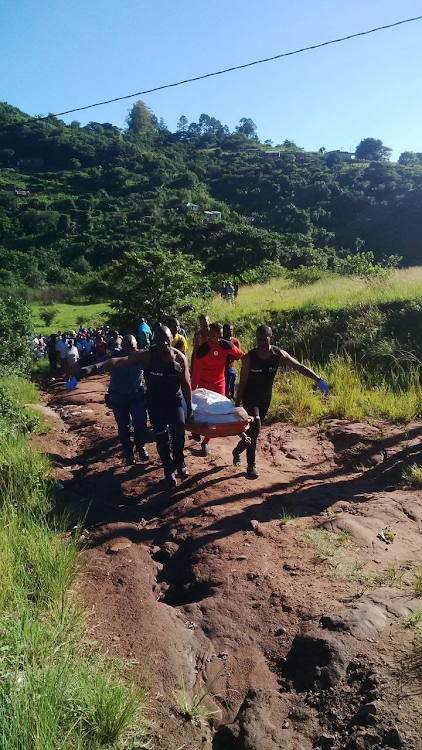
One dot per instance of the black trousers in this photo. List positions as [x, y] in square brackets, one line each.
[257, 409]
[168, 422]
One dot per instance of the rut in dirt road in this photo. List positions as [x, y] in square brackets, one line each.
[220, 581]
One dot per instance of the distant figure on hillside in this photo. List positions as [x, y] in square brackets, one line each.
[236, 290]
[230, 373]
[259, 368]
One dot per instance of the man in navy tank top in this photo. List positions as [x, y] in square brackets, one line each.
[259, 369]
[167, 376]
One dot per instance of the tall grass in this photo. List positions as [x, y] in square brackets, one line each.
[331, 292]
[351, 397]
[57, 692]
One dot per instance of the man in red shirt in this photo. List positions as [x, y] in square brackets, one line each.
[210, 366]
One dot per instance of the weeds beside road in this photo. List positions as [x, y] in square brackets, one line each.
[57, 692]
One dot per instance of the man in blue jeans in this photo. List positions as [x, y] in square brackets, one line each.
[126, 398]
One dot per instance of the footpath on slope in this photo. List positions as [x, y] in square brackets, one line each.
[279, 599]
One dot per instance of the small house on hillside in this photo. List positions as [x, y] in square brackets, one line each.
[212, 214]
[341, 155]
[271, 154]
[190, 207]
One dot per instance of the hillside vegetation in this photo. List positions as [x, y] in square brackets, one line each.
[86, 195]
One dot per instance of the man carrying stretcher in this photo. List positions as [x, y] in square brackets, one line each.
[209, 367]
[255, 389]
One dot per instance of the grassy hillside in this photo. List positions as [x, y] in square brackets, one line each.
[333, 293]
[67, 317]
[86, 195]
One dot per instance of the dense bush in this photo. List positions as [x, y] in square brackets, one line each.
[15, 330]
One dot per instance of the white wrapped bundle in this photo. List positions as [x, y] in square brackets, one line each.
[213, 408]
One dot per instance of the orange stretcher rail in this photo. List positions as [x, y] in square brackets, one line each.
[220, 429]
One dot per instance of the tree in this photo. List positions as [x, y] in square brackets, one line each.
[47, 315]
[410, 158]
[182, 125]
[151, 284]
[139, 118]
[248, 128]
[372, 149]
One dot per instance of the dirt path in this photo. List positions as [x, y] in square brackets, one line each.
[276, 596]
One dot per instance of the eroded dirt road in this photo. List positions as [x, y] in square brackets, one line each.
[277, 597]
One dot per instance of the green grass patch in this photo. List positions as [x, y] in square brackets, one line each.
[326, 543]
[412, 476]
[69, 317]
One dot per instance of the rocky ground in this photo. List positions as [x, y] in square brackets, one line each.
[283, 605]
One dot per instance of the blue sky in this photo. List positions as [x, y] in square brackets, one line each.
[57, 54]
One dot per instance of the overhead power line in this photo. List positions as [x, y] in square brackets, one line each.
[226, 70]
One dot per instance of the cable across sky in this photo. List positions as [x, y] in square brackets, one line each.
[225, 70]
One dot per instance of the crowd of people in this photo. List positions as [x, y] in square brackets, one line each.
[150, 373]
[228, 291]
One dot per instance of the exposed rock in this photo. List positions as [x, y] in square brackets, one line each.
[316, 661]
[118, 546]
[393, 739]
[365, 716]
[362, 621]
[255, 727]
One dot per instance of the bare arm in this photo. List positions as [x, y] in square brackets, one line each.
[137, 358]
[244, 377]
[195, 346]
[287, 359]
[185, 382]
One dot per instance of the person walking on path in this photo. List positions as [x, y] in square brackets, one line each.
[72, 359]
[52, 353]
[126, 398]
[62, 348]
[200, 336]
[259, 368]
[210, 366]
[230, 374]
[179, 340]
[167, 376]
[144, 334]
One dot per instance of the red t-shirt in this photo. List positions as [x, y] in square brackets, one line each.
[210, 365]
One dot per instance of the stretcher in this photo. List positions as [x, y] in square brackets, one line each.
[220, 429]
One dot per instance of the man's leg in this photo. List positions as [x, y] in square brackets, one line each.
[138, 413]
[158, 418]
[176, 421]
[122, 416]
[254, 431]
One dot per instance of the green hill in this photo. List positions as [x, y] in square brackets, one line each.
[74, 198]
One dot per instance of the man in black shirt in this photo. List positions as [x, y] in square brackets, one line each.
[259, 368]
[167, 376]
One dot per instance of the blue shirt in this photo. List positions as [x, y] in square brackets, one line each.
[126, 381]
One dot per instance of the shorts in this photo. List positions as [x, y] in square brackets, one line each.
[230, 383]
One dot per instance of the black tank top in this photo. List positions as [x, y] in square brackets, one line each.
[162, 378]
[262, 373]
